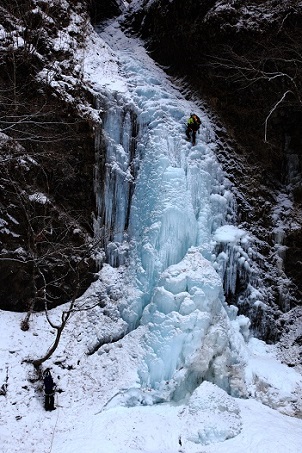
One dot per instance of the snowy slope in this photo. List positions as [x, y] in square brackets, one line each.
[171, 381]
[88, 420]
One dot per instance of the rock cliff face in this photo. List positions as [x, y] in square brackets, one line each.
[243, 59]
[46, 156]
[100, 10]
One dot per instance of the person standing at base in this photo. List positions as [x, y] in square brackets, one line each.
[193, 126]
[49, 391]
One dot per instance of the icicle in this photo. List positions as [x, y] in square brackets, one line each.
[115, 169]
[232, 260]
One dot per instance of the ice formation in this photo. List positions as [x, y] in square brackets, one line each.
[165, 207]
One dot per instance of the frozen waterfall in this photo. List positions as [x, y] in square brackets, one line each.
[166, 209]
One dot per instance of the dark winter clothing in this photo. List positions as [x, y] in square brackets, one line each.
[193, 125]
[49, 391]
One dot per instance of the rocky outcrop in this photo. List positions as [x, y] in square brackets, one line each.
[46, 156]
[100, 10]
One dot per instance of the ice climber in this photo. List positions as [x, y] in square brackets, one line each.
[193, 126]
[49, 391]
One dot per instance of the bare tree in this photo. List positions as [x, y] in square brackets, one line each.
[65, 315]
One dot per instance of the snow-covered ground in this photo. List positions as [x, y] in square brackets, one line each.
[90, 419]
[163, 365]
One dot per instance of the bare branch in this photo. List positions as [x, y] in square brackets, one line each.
[272, 111]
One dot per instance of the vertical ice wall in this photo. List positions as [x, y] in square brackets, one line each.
[181, 200]
[115, 170]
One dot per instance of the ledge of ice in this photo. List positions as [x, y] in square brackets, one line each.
[230, 233]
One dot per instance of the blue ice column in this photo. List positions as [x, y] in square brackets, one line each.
[114, 176]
